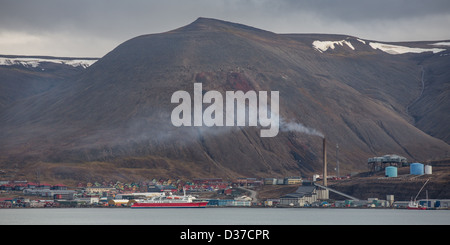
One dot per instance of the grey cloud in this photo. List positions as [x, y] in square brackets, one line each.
[365, 10]
[103, 24]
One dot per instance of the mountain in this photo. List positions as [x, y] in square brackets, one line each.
[24, 76]
[112, 120]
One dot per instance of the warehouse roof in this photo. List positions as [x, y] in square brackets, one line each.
[300, 192]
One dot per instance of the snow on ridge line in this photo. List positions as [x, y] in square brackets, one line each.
[361, 41]
[441, 44]
[396, 49]
[34, 62]
[323, 46]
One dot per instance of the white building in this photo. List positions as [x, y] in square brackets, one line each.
[88, 200]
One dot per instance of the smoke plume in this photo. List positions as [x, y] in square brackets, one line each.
[298, 127]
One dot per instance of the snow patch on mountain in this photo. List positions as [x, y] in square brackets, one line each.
[323, 46]
[396, 49]
[35, 62]
[361, 41]
[441, 44]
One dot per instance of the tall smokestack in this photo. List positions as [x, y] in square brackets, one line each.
[324, 162]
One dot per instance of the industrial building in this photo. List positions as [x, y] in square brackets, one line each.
[380, 163]
[229, 202]
[55, 194]
[304, 196]
[283, 181]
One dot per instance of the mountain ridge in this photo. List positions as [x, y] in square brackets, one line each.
[117, 111]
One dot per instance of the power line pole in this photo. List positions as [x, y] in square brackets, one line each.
[337, 160]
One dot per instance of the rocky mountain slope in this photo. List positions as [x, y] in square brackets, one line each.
[113, 119]
[25, 76]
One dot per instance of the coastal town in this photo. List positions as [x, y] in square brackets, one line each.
[118, 194]
[217, 192]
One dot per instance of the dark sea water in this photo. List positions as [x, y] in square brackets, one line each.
[222, 216]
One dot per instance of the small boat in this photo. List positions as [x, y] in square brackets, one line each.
[414, 204]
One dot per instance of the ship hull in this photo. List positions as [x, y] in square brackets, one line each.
[170, 205]
[417, 208]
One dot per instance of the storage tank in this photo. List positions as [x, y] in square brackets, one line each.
[391, 171]
[428, 169]
[416, 168]
[390, 199]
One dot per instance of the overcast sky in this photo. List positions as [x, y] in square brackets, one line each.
[92, 28]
